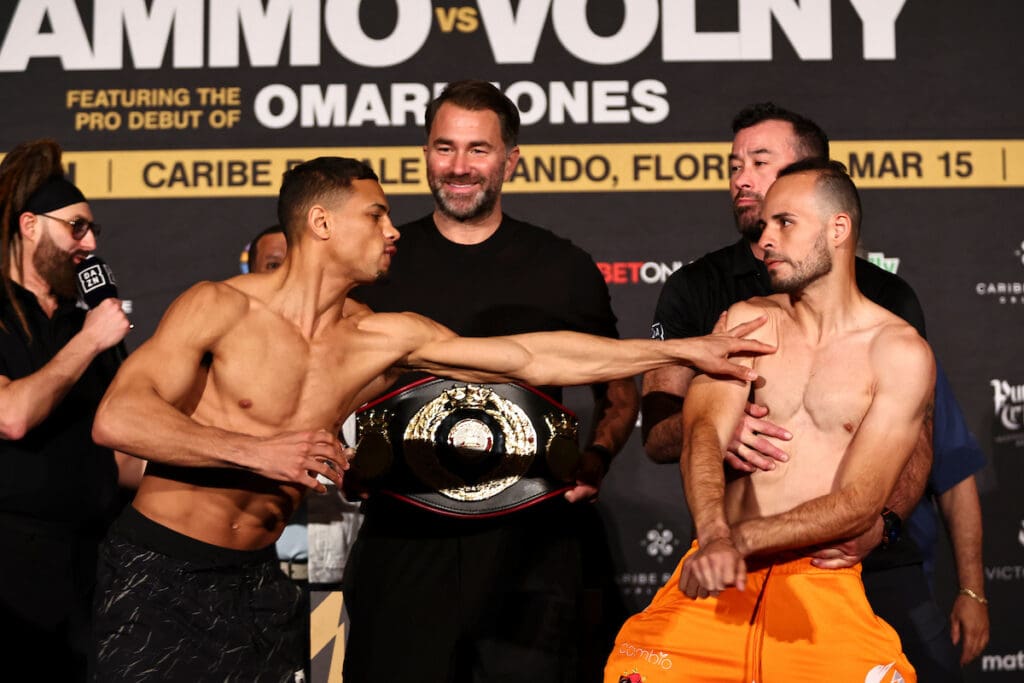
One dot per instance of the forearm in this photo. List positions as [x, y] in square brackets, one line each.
[911, 483]
[140, 423]
[838, 515]
[26, 402]
[543, 358]
[615, 414]
[662, 426]
[962, 511]
[704, 481]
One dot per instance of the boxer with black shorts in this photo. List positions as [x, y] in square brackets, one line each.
[237, 398]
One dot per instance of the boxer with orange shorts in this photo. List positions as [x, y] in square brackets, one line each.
[753, 601]
[793, 622]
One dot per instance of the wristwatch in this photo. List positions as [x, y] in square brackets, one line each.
[892, 525]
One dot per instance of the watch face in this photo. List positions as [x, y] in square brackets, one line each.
[891, 527]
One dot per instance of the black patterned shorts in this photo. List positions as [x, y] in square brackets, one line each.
[193, 611]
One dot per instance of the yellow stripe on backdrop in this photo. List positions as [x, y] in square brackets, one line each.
[640, 167]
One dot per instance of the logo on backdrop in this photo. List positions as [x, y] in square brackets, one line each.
[637, 272]
[1008, 408]
[888, 263]
[1008, 662]
[659, 542]
[1007, 291]
[1020, 533]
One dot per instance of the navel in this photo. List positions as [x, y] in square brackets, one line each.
[848, 426]
[245, 403]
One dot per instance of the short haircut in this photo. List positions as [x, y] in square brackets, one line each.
[254, 244]
[833, 185]
[479, 96]
[314, 181]
[811, 139]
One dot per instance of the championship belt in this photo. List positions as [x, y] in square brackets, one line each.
[466, 449]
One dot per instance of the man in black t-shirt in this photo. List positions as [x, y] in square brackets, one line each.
[436, 598]
[768, 138]
[58, 490]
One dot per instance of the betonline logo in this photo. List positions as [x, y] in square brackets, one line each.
[635, 272]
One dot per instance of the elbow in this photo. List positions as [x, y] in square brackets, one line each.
[104, 429]
[863, 509]
[13, 428]
[660, 454]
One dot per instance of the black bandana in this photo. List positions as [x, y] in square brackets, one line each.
[55, 193]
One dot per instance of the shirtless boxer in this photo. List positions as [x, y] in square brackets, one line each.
[235, 402]
[853, 382]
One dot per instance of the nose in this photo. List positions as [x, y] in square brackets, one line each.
[768, 237]
[741, 179]
[88, 241]
[391, 233]
[460, 163]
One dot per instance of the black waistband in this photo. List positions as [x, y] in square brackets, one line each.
[135, 527]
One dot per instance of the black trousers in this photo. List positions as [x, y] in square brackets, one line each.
[433, 600]
[902, 597]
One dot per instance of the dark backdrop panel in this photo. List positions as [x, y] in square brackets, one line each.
[952, 78]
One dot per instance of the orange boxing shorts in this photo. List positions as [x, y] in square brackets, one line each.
[794, 623]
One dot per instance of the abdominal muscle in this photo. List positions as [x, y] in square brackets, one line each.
[810, 472]
[224, 507]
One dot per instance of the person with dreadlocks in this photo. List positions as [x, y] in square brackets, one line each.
[58, 489]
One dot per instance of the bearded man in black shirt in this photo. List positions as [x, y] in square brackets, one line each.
[59, 490]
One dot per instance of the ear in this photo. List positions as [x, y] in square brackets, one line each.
[840, 228]
[316, 219]
[28, 226]
[511, 161]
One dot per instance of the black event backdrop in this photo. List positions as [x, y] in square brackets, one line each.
[178, 119]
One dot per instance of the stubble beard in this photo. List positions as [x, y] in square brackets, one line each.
[814, 267]
[748, 218]
[462, 208]
[55, 267]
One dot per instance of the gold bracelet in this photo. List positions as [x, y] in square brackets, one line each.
[973, 596]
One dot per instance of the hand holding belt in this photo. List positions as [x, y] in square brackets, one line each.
[466, 449]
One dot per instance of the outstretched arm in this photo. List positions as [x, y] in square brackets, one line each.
[874, 459]
[147, 410]
[570, 358]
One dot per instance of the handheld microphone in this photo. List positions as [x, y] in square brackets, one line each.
[95, 281]
[96, 284]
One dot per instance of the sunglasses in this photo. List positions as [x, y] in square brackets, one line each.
[79, 226]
